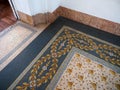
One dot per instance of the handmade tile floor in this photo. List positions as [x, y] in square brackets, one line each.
[84, 74]
[11, 39]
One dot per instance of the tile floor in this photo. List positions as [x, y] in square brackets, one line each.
[39, 28]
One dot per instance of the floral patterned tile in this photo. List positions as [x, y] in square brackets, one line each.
[84, 74]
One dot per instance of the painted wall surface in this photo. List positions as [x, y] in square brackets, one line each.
[37, 6]
[53, 4]
[22, 6]
[33, 7]
[42, 6]
[107, 9]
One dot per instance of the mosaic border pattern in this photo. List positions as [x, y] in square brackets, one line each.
[54, 56]
[33, 62]
[65, 63]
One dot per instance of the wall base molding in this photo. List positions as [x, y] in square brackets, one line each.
[90, 20]
[35, 19]
[25, 18]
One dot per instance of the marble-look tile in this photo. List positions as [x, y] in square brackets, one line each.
[90, 20]
[19, 30]
[117, 31]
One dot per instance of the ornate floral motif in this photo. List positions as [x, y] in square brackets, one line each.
[45, 68]
[109, 53]
[91, 76]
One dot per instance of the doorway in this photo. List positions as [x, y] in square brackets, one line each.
[7, 15]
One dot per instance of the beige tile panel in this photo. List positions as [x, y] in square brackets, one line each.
[12, 39]
[22, 30]
[84, 74]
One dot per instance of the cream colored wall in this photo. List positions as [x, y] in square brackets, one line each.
[33, 7]
[42, 6]
[106, 9]
[23, 6]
